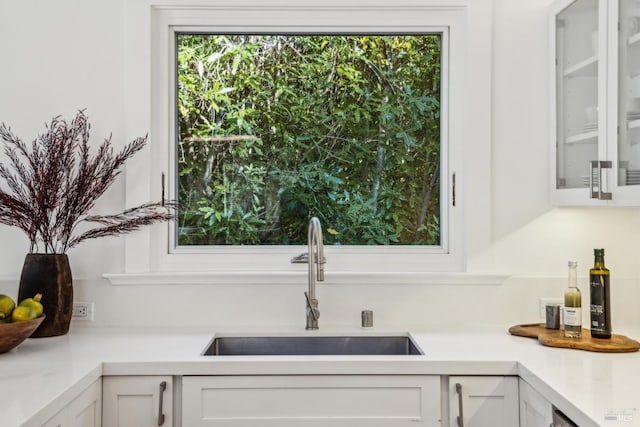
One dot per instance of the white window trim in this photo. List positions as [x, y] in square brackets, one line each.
[146, 257]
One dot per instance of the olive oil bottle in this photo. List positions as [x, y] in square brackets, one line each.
[600, 297]
[573, 304]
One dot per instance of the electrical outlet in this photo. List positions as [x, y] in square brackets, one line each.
[546, 301]
[82, 311]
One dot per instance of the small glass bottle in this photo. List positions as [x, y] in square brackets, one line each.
[573, 304]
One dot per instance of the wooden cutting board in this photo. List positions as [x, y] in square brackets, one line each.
[555, 338]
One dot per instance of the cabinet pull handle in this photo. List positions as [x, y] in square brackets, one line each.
[607, 164]
[461, 416]
[598, 165]
[163, 387]
[592, 165]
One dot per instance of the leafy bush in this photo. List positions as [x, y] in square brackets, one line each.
[276, 129]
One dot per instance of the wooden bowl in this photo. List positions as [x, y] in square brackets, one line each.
[13, 333]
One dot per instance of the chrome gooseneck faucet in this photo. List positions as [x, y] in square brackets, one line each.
[316, 270]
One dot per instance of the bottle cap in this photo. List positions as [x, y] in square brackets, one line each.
[573, 264]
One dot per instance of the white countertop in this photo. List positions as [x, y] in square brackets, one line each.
[42, 375]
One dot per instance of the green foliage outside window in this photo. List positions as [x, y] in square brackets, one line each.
[274, 129]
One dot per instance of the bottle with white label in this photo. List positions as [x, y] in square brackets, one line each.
[573, 305]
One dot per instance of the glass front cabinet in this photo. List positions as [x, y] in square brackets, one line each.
[595, 103]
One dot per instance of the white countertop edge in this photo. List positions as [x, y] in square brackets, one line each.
[313, 365]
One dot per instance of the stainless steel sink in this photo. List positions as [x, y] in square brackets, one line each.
[312, 345]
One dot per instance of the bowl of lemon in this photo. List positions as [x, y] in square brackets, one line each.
[18, 322]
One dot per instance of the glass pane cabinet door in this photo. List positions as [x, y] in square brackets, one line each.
[629, 94]
[579, 96]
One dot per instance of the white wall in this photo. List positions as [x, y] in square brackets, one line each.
[62, 55]
[59, 57]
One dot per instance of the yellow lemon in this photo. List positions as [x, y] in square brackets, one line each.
[6, 306]
[21, 313]
[34, 303]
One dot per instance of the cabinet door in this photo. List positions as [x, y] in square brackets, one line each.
[311, 400]
[137, 401]
[483, 401]
[580, 102]
[535, 410]
[626, 48]
[84, 411]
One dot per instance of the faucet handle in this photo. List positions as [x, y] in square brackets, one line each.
[315, 313]
[303, 258]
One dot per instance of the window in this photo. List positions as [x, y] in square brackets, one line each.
[275, 128]
[444, 21]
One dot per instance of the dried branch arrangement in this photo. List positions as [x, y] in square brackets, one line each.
[48, 187]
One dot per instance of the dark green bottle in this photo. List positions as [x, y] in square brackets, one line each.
[600, 297]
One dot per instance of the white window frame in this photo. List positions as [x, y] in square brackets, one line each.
[148, 256]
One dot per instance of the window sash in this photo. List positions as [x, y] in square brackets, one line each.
[444, 179]
[185, 144]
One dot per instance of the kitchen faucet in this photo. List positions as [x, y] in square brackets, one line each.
[316, 272]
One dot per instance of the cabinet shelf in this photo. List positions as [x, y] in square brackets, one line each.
[633, 124]
[633, 39]
[587, 67]
[584, 137]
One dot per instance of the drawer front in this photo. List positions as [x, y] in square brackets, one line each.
[341, 400]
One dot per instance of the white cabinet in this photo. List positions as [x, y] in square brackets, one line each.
[137, 401]
[311, 400]
[483, 401]
[83, 411]
[595, 120]
[535, 410]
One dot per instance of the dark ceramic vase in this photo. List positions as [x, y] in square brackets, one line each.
[49, 275]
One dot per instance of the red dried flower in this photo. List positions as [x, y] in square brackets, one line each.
[50, 186]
